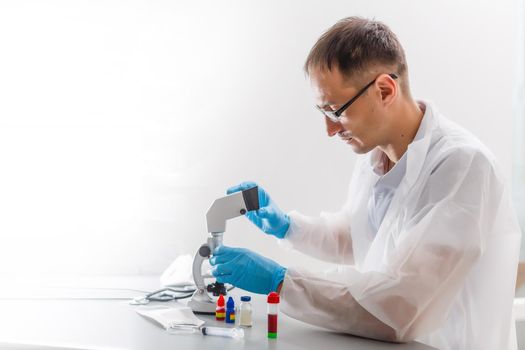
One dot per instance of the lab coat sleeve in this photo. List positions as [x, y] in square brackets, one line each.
[326, 237]
[421, 274]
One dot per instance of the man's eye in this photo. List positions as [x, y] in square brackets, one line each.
[330, 108]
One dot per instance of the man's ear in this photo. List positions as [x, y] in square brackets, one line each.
[388, 88]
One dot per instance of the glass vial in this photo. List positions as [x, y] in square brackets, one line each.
[245, 312]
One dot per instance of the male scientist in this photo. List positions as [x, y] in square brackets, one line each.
[427, 242]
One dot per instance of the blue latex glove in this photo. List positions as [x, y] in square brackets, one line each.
[247, 270]
[269, 218]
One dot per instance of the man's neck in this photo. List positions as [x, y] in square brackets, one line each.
[407, 119]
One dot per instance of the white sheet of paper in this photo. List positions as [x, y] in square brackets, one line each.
[170, 317]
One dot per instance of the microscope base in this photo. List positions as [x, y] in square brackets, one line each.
[201, 303]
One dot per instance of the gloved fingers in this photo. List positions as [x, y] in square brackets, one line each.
[264, 213]
[241, 187]
[271, 219]
[223, 250]
[220, 259]
[224, 269]
[254, 217]
[267, 213]
[216, 273]
[224, 254]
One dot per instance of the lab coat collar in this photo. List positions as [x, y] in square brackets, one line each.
[391, 179]
[417, 150]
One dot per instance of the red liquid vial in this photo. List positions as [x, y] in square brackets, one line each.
[273, 311]
[220, 311]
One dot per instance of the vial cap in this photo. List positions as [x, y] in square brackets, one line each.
[246, 298]
[220, 301]
[273, 298]
[230, 304]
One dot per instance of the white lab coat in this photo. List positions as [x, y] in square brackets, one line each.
[442, 267]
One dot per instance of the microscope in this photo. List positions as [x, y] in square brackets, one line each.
[204, 299]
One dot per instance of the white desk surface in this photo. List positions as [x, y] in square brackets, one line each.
[114, 324]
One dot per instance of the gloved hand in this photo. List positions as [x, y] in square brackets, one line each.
[247, 270]
[269, 217]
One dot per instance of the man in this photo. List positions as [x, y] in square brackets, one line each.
[427, 243]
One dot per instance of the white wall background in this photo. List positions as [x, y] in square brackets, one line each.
[121, 121]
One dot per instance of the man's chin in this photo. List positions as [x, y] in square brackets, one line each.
[359, 148]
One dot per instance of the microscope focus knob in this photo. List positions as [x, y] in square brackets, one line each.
[205, 251]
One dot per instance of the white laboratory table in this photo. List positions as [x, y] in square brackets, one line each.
[51, 322]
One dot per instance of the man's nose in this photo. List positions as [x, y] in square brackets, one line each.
[332, 128]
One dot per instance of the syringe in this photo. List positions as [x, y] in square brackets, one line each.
[223, 332]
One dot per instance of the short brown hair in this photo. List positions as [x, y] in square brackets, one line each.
[354, 44]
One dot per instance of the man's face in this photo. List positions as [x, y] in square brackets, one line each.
[363, 124]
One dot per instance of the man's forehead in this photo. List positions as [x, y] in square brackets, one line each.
[328, 85]
[323, 99]
[325, 76]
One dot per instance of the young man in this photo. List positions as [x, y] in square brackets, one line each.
[427, 242]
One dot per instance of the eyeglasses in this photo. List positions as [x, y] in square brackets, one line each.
[335, 116]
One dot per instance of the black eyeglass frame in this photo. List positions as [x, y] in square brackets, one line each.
[334, 116]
